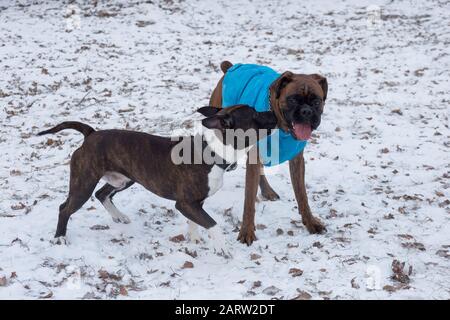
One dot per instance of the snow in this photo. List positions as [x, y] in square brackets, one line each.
[377, 167]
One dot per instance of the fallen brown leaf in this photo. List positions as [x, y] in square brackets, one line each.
[178, 238]
[123, 291]
[254, 256]
[295, 272]
[303, 295]
[187, 265]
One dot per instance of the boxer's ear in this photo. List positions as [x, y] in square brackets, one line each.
[322, 81]
[281, 82]
[212, 123]
[208, 111]
[265, 120]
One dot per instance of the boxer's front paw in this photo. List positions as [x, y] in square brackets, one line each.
[247, 235]
[314, 225]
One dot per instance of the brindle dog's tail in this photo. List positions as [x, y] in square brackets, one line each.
[80, 127]
[225, 66]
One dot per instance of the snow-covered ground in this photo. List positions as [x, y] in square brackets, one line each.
[377, 169]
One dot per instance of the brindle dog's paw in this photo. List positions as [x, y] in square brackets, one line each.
[247, 235]
[192, 233]
[315, 226]
[121, 218]
[194, 237]
[270, 195]
[59, 241]
[219, 244]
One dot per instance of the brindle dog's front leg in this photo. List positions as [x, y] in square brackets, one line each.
[297, 171]
[194, 212]
[247, 232]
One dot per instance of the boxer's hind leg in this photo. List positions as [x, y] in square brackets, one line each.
[105, 195]
[216, 95]
[266, 190]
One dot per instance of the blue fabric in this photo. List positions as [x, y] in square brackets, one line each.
[249, 84]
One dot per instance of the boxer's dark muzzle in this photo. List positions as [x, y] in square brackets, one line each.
[303, 115]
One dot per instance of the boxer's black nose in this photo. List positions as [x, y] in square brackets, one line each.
[306, 112]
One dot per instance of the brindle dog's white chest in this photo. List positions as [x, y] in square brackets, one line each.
[215, 179]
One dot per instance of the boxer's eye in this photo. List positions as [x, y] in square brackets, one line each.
[316, 103]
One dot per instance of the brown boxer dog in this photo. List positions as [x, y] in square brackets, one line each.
[295, 99]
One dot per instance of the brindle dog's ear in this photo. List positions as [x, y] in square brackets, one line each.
[212, 123]
[281, 82]
[322, 82]
[265, 120]
[208, 111]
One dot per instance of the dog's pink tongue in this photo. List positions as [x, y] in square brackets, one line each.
[302, 131]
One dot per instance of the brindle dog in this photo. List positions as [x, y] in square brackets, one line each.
[297, 101]
[124, 157]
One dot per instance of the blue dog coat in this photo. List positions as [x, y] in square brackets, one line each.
[249, 84]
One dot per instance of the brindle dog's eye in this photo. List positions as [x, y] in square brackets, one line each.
[227, 121]
[316, 103]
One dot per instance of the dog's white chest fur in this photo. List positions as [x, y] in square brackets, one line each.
[215, 179]
[226, 152]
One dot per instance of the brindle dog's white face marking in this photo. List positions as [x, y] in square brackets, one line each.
[231, 132]
[225, 151]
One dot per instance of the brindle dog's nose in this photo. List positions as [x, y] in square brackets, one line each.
[306, 112]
